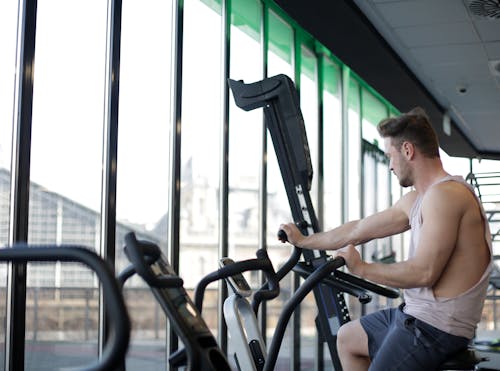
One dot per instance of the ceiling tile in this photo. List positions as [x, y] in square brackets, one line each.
[418, 12]
[446, 54]
[439, 34]
[488, 30]
[492, 49]
[485, 126]
[451, 74]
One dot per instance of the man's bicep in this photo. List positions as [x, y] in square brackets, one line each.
[384, 223]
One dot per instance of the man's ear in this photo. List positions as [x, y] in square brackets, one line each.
[408, 150]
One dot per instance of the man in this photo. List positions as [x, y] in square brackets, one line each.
[446, 275]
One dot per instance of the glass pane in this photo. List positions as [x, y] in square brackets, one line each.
[280, 46]
[309, 108]
[459, 165]
[65, 194]
[8, 24]
[332, 146]
[245, 140]
[143, 162]
[376, 197]
[354, 151]
[278, 207]
[373, 112]
[245, 133]
[200, 154]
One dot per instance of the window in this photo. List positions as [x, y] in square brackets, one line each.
[200, 150]
[309, 108]
[332, 145]
[353, 151]
[66, 158]
[143, 158]
[246, 132]
[280, 48]
[8, 24]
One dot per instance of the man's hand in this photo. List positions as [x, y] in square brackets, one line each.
[352, 259]
[294, 236]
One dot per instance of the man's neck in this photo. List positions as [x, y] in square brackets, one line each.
[428, 173]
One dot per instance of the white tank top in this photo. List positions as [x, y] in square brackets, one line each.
[459, 315]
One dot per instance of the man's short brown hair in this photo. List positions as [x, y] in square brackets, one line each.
[414, 127]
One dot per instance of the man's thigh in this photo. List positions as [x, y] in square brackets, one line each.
[411, 345]
[352, 338]
[401, 350]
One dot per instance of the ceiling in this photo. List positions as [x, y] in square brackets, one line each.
[443, 55]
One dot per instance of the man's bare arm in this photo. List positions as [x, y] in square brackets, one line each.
[385, 223]
[442, 211]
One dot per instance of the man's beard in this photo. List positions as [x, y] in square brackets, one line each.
[405, 178]
[405, 182]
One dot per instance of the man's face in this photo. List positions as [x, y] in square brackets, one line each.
[398, 163]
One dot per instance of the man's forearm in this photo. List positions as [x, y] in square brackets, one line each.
[403, 275]
[331, 240]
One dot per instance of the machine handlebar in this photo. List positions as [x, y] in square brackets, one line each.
[262, 262]
[340, 276]
[119, 321]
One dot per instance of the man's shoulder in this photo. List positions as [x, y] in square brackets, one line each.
[451, 194]
[450, 188]
[406, 202]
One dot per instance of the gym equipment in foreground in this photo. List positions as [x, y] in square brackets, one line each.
[119, 323]
[200, 351]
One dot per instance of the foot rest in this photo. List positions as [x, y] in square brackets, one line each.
[464, 360]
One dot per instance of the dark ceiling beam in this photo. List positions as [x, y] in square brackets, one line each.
[341, 27]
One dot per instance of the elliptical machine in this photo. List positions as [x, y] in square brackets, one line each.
[240, 316]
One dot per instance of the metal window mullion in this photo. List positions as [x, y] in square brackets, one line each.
[345, 144]
[264, 38]
[224, 163]
[362, 168]
[362, 176]
[295, 320]
[319, 364]
[320, 171]
[15, 324]
[174, 199]
[110, 149]
[389, 185]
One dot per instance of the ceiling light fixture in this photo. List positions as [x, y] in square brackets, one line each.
[485, 8]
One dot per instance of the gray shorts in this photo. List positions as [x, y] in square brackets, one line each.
[398, 341]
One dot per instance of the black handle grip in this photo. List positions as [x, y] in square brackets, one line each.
[282, 236]
[302, 225]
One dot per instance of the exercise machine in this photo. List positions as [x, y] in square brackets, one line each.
[238, 312]
[249, 347]
[200, 352]
[278, 98]
[118, 320]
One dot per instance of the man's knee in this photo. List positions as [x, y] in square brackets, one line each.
[352, 339]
